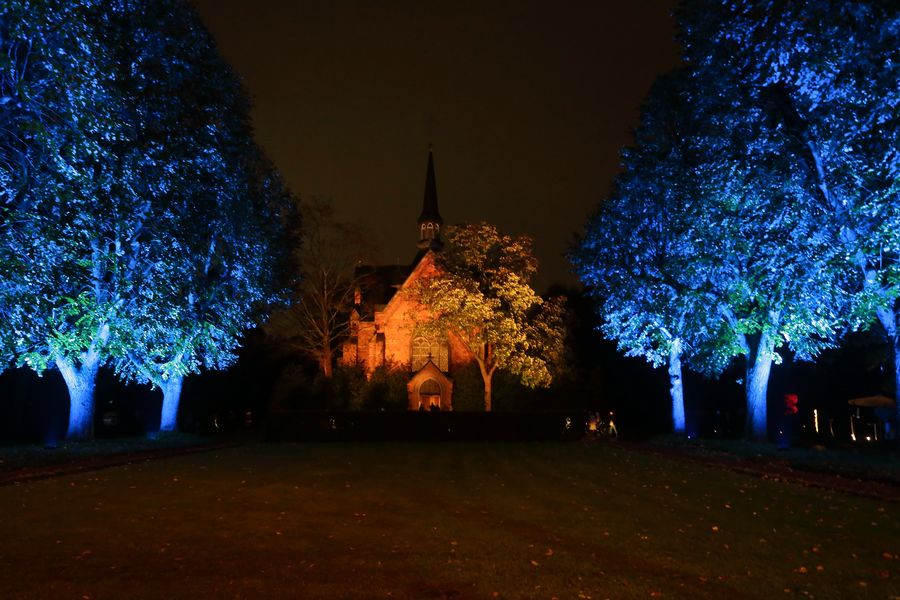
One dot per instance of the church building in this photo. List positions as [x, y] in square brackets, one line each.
[383, 322]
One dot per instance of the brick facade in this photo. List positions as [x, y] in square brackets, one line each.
[385, 335]
[383, 322]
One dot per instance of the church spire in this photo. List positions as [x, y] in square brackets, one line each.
[430, 220]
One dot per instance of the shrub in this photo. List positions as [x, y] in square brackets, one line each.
[386, 389]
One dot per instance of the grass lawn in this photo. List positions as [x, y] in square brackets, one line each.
[548, 520]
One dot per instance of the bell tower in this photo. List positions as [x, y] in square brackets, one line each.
[430, 220]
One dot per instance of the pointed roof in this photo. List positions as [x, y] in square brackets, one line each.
[430, 212]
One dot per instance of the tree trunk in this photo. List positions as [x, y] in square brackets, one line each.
[325, 363]
[888, 320]
[895, 430]
[486, 376]
[171, 391]
[81, 382]
[487, 394]
[759, 365]
[676, 391]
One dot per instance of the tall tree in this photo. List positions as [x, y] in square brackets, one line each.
[772, 273]
[318, 319]
[641, 255]
[66, 211]
[828, 76]
[141, 172]
[482, 295]
[213, 240]
[777, 277]
[757, 270]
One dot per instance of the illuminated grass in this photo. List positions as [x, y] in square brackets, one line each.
[439, 521]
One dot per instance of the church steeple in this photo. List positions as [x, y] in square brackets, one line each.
[430, 220]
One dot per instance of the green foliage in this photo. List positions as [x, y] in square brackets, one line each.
[345, 390]
[141, 224]
[482, 296]
[295, 389]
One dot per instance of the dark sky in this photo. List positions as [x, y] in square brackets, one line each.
[527, 105]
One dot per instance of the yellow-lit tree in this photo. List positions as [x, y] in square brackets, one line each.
[482, 296]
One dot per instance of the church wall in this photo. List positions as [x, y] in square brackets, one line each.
[388, 338]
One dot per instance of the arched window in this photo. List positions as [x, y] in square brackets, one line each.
[424, 349]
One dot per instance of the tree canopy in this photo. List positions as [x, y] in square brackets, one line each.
[130, 184]
[482, 295]
[765, 168]
[641, 255]
[816, 123]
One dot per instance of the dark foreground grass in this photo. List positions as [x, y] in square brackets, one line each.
[439, 521]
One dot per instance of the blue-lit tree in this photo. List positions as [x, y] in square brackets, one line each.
[775, 270]
[62, 202]
[754, 266]
[777, 274]
[772, 272]
[211, 246]
[213, 284]
[828, 76]
[641, 256]
[130, 174]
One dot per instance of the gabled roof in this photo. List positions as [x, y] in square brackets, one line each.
[379, 283]
[423, 263]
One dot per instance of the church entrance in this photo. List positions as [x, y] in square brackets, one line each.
[430, 389]
[430, 395]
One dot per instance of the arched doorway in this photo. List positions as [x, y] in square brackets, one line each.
[430, 388]
[430, 395]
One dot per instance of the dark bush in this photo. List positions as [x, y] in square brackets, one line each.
[468, 388]
[386, 389]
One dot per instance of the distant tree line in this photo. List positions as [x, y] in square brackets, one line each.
[759, 205]
[141, 225]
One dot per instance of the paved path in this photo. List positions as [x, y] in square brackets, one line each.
[864, 485]
[101, 461]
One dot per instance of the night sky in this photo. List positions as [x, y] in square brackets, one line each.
[527, 105]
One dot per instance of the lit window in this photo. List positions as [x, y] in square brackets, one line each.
[424, 349]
